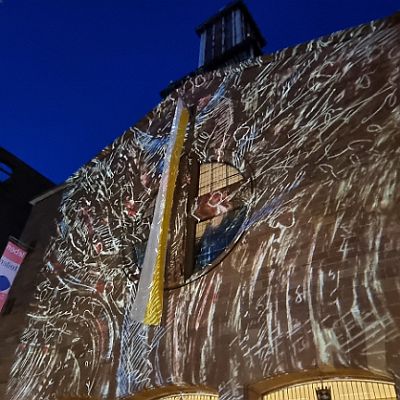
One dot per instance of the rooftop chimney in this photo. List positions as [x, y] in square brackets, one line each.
[229, 36]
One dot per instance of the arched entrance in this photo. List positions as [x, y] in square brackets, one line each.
[190, 396]
[149, 396]
[335, 389]
[329, 384]
[175, 393]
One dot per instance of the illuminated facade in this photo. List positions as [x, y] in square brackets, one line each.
[304, 148]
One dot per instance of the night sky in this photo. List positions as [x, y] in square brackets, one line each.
[75, 74]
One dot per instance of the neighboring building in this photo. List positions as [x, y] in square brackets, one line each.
[284, 252]
[19, 183]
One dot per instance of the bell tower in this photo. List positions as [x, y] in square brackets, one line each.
[229, 36]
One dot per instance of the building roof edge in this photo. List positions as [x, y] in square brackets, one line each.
[47, 194]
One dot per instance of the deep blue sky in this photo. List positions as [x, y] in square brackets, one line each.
[75, 74]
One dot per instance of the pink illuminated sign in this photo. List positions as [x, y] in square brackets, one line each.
[10, 262]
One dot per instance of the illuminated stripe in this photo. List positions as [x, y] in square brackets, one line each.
[148, 304]
[155, 304]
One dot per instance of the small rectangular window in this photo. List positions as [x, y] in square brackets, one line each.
[5, 172]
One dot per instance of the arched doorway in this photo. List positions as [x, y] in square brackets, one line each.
[339, 388]
[190, 396]
[174, 392]
[153, 396]
[325, 384]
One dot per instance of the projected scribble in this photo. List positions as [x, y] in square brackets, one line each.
[314, 277]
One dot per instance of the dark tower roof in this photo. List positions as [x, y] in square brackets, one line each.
[238, 4]
[229, 36]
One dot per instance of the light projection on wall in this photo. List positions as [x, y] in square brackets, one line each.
[313, 279]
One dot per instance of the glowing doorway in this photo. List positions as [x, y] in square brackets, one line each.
[335, 389]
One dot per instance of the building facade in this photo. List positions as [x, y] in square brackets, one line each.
[19, 183]
[284, 245]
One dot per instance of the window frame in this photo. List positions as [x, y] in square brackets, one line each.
[6, 172]
[259, 390]
[190, 274]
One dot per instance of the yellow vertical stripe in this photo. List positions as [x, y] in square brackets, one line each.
[155, 304]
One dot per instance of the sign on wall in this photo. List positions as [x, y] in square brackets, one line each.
[10, 262]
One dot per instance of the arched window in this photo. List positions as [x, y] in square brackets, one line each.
[219, 210]
[179, 396]
[335, 389]
[190, 396]
[210, 206]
